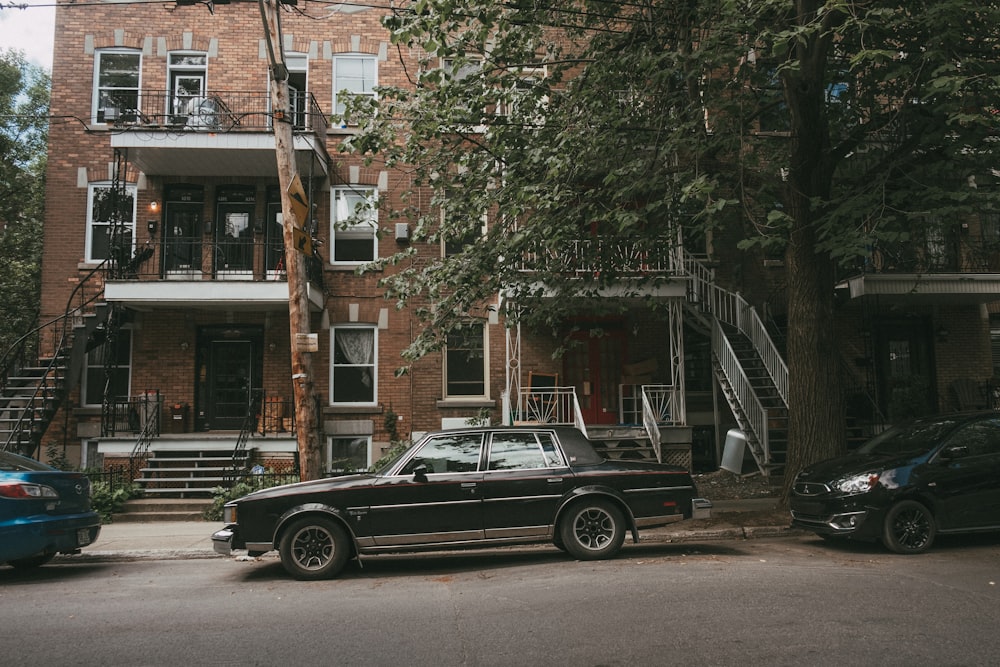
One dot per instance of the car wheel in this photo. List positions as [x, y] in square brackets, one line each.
[314, 548]
[909, 528]
[592, 530]
[32, 561]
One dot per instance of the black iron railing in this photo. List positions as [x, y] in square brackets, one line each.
[213, 111]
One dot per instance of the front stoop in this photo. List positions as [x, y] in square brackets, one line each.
[141, 510]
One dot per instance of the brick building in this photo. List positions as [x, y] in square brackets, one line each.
[164, 251]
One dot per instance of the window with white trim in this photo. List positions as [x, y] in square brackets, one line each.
[116, 84]
[353, 74]
[115, 357]
[354, 225]
[105, 234]
[353, 377]
[348, 453]
[186, 75]
[465, 362]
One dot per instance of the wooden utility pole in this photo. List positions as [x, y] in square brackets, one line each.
[303, 389]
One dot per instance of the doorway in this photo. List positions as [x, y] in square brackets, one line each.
[905, 368]
[230, 365]
[182, 231]
[235, 209]
[592, 366]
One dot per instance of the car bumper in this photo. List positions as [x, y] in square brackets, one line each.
[838, 517]
[222, 540]
[66, 534]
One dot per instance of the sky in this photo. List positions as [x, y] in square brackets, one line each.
[29, 30]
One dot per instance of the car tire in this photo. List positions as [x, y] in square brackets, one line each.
[314, 548]
[31, 562]
[592, 530]
[909, 528]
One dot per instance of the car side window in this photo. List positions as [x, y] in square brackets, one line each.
[516, 451]
[980, 438]
[447, 453]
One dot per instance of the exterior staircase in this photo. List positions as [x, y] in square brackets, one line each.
[747, 365]
[189, 474]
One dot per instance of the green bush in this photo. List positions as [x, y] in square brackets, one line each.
[222, 495]
[107, 502]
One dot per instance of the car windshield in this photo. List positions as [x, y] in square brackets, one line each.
[14, 463]
[913, 438]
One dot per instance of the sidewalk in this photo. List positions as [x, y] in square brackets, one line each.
[178, 540]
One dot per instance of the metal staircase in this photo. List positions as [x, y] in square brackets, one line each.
[747, 364]
[41, 366]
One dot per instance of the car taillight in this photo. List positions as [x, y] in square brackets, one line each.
[24, 490]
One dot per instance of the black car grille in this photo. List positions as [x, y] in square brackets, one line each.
[810, 489]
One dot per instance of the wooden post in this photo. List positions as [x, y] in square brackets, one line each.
[303, 388]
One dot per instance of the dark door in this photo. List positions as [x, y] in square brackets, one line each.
[966, 485]
[235, 212]
[274, 242]
[182, 228]
[442, 505]
[593, 365]
[905, 368]
[230, 366]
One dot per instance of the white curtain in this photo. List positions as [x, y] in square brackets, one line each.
[358, 346]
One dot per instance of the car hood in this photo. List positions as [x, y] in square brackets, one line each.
[852, 464]
[316, 485]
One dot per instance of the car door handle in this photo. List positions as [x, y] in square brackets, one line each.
[554, 480]
[468, 485]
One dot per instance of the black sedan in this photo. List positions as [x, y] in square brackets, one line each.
[908, 484]
[462, 488]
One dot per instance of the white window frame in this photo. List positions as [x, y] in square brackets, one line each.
[97, 104]
[353, 85]
[486, 369]
[344, 200]
[183, 106]
[472, 238]
[373, 365]
[93, 225]
[328, 459]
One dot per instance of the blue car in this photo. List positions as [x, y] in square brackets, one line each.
[43, 511]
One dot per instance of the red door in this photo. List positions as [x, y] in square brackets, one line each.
[594, 366]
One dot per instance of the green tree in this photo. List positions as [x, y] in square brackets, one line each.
[24, 109]
[644, 119]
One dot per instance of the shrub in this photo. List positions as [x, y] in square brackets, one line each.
[107, 501]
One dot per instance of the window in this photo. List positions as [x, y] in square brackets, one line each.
[348, 454]
[118, 358]
[447, 453]
[116, 84]
[353, 75]
[523, 451]
[465, 362]
[454, 239]
[103, 236]
[354, 227]
[186, 73]
[352, 374]
[525, 101]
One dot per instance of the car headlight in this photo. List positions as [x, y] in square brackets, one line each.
[862, 483]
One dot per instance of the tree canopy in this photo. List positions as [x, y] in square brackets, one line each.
[24, 109]
[815, 129]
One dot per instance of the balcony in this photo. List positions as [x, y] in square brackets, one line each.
[195, 272]
[961, 269]
[636, 270]
[221, 133]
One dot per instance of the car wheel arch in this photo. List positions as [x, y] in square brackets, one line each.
[584, 493]
[317, 509]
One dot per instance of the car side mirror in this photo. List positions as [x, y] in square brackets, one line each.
[420, 473]
[954, 452]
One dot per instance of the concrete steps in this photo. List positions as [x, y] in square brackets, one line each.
[144, 510]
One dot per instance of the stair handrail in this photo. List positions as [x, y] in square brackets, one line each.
[249, 426]
[149, 427]
[746, 398]
[651, 424]
[14, 356]
[733, 309]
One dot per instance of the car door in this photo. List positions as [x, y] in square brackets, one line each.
[433, 496]
[964, 477]
[524, 482]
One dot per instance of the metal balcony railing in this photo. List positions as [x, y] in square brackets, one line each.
[202, 258]
[594, 255]
[214, 111]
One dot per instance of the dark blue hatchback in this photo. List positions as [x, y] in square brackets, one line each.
[43, 511]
